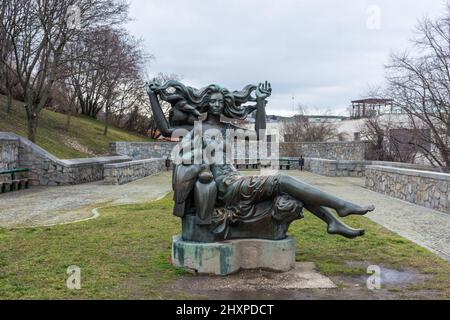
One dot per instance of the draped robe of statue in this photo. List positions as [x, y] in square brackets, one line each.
[241, 206]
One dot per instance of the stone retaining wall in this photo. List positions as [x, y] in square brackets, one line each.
[122, 173]
[9, 152]
[402, 165]
[142, 150]
[331, 160]
[348, 168]
[325, 150]
[47, 170]
[425, 188]
[333, 168]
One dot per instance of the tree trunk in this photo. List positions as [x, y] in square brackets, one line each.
[106, 121]
[9, 102]
[32, 123]
[446, 157]
[69, 117]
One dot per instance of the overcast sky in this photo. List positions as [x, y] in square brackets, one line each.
[322, 52]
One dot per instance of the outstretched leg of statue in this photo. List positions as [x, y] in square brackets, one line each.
[314, 197]
[335, 226]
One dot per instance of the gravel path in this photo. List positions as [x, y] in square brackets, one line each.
[41, 206]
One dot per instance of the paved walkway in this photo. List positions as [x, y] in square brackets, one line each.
[41, 206]
[44, 206]
[428, 228]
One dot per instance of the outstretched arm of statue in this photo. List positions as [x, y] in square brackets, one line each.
[160, 118]
[262, 93]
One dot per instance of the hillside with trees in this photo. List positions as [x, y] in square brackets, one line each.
[70, 71]
[84, 137]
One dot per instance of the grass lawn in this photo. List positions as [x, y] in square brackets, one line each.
[126, 254]
[84, 139]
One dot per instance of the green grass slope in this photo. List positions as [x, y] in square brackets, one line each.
[84, 139]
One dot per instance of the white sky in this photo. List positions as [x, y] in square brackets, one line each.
[322, 52]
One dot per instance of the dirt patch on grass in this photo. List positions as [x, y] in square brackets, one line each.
[265, 285]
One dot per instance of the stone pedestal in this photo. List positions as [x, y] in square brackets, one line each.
[227, 257]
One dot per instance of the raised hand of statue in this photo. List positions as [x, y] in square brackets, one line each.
[264, 91]
[153, 86]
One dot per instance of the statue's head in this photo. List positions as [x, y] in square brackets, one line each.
[213, 99]
[219, 101]
[216, 104]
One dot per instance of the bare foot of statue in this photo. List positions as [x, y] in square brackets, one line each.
[353, 209]
[337, 227]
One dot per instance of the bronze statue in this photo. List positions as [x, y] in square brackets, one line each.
[214, 200]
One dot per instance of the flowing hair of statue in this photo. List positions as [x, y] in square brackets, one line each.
[199, 98]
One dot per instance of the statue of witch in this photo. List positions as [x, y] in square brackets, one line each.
[214, 200]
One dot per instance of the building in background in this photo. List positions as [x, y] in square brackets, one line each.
[366, 108]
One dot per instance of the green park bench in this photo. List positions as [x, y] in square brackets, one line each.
[247, 164]
[284, 163]
[15, 183]
[288, 162]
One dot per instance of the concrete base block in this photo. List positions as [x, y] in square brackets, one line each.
[227, 257]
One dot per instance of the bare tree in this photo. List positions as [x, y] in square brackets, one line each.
[62, 99]
[301, 128]
[122, 72]
[161, 78]
[109, 75]
[389, 140]
[130, 103]
[39, 31]
[8, 80]
[420, 84]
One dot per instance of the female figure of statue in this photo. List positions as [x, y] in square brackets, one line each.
[215, 201]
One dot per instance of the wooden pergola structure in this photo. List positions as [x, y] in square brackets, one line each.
[371, 107]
